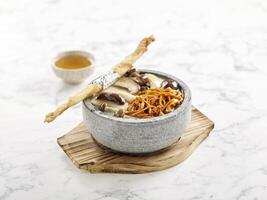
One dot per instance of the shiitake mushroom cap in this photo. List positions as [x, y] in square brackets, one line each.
[113, 97]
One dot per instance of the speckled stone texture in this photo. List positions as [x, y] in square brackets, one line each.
[139, 135]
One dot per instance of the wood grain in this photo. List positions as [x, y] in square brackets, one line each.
[86, 154]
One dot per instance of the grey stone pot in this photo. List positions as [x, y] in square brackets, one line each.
[139, 135]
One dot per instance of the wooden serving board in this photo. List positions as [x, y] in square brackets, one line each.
[86, 154]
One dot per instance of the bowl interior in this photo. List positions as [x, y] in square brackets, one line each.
[187, 97]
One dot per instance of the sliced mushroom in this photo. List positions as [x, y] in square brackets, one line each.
[111, 97]
[128, 84]
[122, 92]
[109, 106]
[154, 81]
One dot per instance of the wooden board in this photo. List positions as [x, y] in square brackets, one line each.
[86, 154]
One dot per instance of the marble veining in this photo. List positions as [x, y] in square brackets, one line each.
[219, 48]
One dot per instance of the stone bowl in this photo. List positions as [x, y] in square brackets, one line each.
[139, 136]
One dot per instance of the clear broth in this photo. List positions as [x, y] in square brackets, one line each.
[73, 62]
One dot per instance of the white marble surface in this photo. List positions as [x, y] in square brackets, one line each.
[218, 47]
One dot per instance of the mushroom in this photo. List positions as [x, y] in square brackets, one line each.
[102, 107]
[154, 81]
[129, 84]
[112, 97]
[130, 72]
[109, 106]
[119, 113]
[122, 92]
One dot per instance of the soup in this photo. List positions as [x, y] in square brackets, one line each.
[73, 62]
[140, 95]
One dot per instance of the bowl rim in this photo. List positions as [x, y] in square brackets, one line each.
[88, 55]
[187, 99]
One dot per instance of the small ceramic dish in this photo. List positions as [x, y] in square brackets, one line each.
[130, 135]
[74, 76]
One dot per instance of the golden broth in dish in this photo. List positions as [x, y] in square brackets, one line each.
[73, 62]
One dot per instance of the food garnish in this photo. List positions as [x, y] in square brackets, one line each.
[155, 102]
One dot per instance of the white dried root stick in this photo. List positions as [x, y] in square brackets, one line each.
[128, 61]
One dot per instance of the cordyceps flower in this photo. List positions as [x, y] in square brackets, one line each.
[155, 102]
